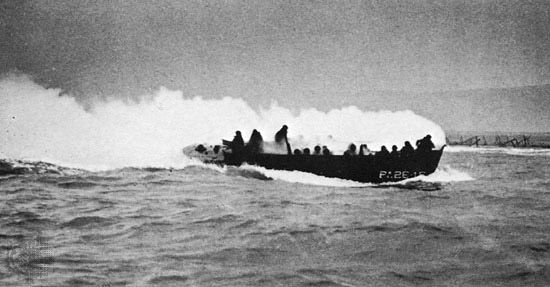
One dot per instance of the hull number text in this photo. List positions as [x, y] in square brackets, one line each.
[398, 174]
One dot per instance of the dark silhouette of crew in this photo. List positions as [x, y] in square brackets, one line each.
[201, 149]
[317, 150]
[237, 144]
[307, 151]
[281, 135]
[326, 151]
[351, 151]
[394, 152]
[281, 138]
[256, 143]
[297, 151]
[217, 149]
[407, 150]
[425, 144]
[383, 153]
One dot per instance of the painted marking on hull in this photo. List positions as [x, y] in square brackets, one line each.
[398, 174]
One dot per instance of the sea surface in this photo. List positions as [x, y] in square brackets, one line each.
[483, 219]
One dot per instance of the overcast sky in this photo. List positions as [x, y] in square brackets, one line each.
[318, 53]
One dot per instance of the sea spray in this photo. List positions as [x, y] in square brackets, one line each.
[443, 174]
[40, 123]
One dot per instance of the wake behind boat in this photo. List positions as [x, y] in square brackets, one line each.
[362, 167]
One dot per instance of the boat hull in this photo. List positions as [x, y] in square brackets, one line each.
[357, 168]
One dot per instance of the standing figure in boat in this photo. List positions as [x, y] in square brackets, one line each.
[281, 139]
[425, 144]
[237, 144]
[256, 143]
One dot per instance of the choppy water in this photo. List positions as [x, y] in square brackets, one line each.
[202, 226]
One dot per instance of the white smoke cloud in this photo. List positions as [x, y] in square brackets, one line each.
[39, 124]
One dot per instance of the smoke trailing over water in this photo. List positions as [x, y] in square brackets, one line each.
[40, 124]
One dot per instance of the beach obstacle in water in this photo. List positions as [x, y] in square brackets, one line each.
[500, 141]
[475, 140]
[514, 142]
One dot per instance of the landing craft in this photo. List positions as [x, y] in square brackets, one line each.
[361, 168]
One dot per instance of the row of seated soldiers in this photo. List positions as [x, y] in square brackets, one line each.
[255, 145]
[316, 151]
[423, 145]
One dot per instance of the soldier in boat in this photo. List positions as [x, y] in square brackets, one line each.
[425, 144]
[383, 153]
[281, 139]
[237, 144]
[407, 150]
[317, 150]
[256, 143]
[394, 152]
[351, 151]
